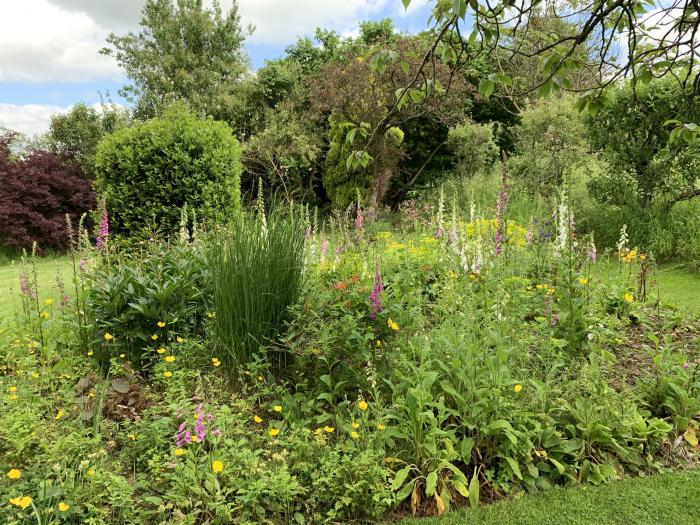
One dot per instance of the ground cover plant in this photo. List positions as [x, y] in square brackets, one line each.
[454, 360]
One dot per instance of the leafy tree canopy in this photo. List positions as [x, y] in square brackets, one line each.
[183, 51]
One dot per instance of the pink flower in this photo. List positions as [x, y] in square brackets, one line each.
[103, 233]
[359, 221]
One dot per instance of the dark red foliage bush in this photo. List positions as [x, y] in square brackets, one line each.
[36, 192]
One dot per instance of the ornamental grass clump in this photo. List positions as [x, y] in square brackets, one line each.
[257, 267]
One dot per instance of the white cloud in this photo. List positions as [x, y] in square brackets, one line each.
[30, 119]
[59, 40]
[33, 119]
[282, 21]
[116, 15]
[40, 42]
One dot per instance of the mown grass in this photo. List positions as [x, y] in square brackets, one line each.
[673, 284]
[664, 499]
[47, 269]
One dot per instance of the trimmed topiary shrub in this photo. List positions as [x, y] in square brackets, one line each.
[147, 173]
[37, 191]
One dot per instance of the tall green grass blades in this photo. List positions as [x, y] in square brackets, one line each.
[256, 270]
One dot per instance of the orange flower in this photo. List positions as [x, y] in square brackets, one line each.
[340, 285]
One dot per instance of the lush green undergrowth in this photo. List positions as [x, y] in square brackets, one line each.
[662, 499]
[446, 361]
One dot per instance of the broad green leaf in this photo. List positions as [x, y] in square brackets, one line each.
[401, 476]
[461, 488]
[474, 490]
[466, 449]
[431, 483]
[417, 95]
[558, 465]
[514, 467]
[486, 87]
[545, 89]
[405, 490]
[504, 79]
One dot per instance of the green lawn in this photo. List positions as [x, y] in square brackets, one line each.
[681, 288]
[47, 269]
[674, 285]
[672, 499]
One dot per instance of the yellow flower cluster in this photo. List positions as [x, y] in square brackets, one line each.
[22, 502]
[515, 233]
[629, 256]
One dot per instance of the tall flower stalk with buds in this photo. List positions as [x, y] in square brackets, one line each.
[103, 231]
[440, 231]
[375, 295]
[501, 204]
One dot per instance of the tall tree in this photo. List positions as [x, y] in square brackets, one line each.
[182, 52]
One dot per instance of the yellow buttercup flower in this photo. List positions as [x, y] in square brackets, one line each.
[63, 506]
[132, 437]
[355, 425]
[170, 359]
[273, 431]
[59, 414]
[277, 408]
[518, 388]
[211, 315]
[161, 350]
[168, 374]
[12, 389]
[318, 431]
[12, 397]
[91, 472]
[629, 297]
[260, 378]
[154, 337]
[122, 356]
[22, 502]
[583, 281]
[217, 466]
[45, 315]
[257, 419]
[215, 361]
[108, 336]
[90, 352]
[179, 452]
[14, 474]
[328, 429]
[160, 324]
[354, 435]
[180, 339]
[392, 324]
[380, 427]
[48, 301]
[362, 405]
[35, 375]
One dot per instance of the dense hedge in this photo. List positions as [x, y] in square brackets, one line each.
[36, 193]
[149, 171]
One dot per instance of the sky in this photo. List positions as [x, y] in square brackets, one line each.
[49, 56]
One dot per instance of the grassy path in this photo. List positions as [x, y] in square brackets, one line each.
[47, 269]
[664, 499]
